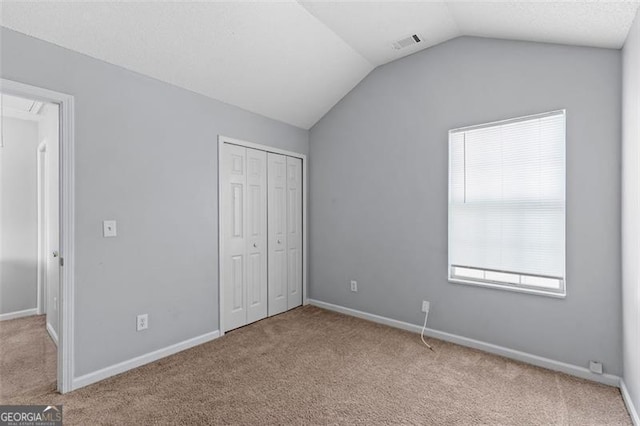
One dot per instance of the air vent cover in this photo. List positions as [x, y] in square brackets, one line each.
[406, 42]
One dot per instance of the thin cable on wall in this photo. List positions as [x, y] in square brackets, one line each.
[426, 315]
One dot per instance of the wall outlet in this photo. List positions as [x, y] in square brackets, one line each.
[595, 367]
[142, 322]
[354, 286]
[109, 229]
[425, 306]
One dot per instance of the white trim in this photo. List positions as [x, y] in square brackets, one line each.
[628, 401]
[224, 139]
[66, 297]
[508, 121]
[305, 231]
[41, 153]
[52, 333]
[18, 314]
[508, 288]
[574, 370]
[1, 186]
[305, 223]
[221, 325]
[141, 360]
[67, 211]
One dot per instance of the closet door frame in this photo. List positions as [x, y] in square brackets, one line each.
[223, 204]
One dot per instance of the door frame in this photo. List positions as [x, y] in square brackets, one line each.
[67, 212]
[42, 186]
[224, 203]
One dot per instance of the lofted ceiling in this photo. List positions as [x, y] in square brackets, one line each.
[293, 60]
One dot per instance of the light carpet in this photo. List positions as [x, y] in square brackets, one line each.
[27, 357]
[312, 366]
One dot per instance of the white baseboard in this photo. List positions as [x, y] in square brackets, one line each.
[52, 333]
[631, 408]
[18, 314]
[574, 370]
[96, 376]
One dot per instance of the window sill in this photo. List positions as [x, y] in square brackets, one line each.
[552, 294]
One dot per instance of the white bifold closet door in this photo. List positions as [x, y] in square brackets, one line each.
[244, 229]
[277, 230]
[285, 232]
[294, 232]
[261, 230]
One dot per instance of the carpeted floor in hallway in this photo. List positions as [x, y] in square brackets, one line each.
[311, 366]
[27, 358]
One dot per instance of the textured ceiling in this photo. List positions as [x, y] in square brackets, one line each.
[372, 27]
[274, 59]
[292, 61]
[581, 23]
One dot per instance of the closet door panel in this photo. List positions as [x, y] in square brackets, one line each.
[277, 233]
[234, 176]
[294, 232]
[256, 224]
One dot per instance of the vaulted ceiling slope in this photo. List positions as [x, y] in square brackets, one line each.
[292, 61]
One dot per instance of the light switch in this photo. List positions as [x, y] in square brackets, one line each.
[109, 228]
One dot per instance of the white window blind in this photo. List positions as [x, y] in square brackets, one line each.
[507, 203]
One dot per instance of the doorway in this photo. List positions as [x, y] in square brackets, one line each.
[36, 236]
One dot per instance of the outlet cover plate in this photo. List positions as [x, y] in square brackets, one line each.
[142, 322]
[595, 367]
[109, 228]
[425, 305]
[354, 286]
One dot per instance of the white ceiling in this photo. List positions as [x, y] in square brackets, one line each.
[576, 22]
[371, 27]
[292, 61]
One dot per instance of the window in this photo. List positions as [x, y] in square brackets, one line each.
[507, 204]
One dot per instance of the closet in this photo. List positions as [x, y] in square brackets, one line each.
[261, 234]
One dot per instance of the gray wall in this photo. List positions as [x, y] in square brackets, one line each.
[631, 212]
[19, 215]
[379, 193]
[146, 155]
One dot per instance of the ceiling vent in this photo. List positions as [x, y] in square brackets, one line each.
[406, 42]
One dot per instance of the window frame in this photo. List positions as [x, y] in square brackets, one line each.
[503, 285]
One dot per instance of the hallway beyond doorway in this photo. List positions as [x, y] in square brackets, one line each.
[27, 357]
